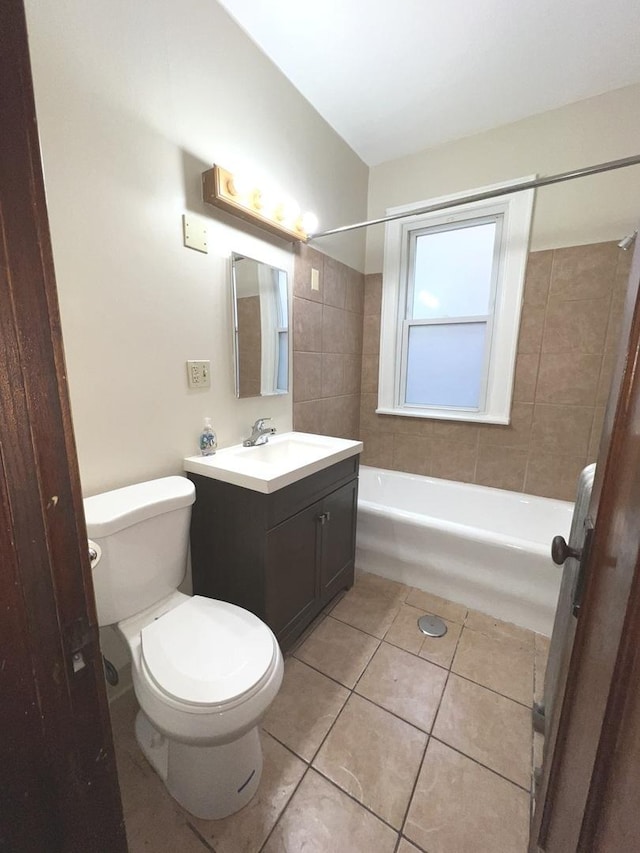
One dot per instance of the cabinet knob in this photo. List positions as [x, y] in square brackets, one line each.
[324, 517]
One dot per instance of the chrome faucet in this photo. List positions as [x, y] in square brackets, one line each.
[259, 433]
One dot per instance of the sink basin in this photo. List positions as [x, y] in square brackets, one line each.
[283, 460]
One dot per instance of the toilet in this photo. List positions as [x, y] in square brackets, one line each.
[204, 671]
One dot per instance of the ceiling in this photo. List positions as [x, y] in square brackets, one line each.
[393, 77]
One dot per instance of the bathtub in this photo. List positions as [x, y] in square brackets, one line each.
[486, 548]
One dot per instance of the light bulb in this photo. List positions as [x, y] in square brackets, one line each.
[288, 211]
[309, 222]
[239, 185]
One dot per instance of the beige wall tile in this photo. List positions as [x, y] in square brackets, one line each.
[579, 325]
[305, 260]
[614, 326]
[553, 476]
[584, 272]
[373, 294]
[307, 416]
[460, 807]
[524, 386]
[307, 376]
[606, 377]
[307, 326]
[371, 335]
[370, 367]
[340, 416]
[561, 429]
[353, 333]
[538, 277]
[333, 329]
[531, 328]
[411, 454]
[355, 290]
[453, 460]
[568, 378]
[501, 467]
[416, 426]
[352, 373]
[333, 381]
[596, 434]
[334, 283]
[515, 434]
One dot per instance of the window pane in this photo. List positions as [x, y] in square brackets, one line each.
[453, 272]
[283, 361]
[445, 364]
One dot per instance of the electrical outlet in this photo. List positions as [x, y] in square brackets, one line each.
[198, 374]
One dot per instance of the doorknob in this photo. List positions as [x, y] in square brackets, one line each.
[560, 551]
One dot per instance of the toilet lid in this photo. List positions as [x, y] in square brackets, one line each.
[206, 651]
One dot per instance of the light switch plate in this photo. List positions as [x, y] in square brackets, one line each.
[199, 374]
[315, 279]
[194, 232]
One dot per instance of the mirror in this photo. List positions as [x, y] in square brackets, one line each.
[261, 326]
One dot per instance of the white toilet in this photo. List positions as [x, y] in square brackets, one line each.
[204, 671]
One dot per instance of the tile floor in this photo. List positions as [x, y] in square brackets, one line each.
[380, 741]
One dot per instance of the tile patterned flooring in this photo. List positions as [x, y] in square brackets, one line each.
[380, 740]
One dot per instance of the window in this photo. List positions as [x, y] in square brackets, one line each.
[452, 294]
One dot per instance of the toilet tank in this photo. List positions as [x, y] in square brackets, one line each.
[143, 534]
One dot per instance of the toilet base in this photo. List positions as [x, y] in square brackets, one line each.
[210, 782]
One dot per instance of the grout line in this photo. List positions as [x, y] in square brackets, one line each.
[284, 808]
[200, 837]
[480, 764]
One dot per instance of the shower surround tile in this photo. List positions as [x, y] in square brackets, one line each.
[570, 326]
[328, 323]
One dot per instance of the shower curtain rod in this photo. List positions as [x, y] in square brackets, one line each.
[504, 190]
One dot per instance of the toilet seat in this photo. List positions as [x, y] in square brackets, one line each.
[206, 653]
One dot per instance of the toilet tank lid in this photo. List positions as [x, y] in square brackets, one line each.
[110, 512]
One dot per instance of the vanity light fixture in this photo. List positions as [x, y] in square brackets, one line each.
[280, 216]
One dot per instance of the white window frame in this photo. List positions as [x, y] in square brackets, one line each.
[503, 326]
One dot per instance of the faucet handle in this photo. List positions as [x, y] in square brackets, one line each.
[259, 424]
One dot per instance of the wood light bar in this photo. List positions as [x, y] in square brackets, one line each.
[225, 190]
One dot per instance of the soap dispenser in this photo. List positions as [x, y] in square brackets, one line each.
[208, 440]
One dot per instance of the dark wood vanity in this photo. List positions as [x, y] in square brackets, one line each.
[284, 555]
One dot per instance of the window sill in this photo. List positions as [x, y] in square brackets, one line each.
[469, 417]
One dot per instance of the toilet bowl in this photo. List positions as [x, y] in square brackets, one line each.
[204, 671]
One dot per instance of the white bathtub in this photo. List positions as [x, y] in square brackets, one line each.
[486, 548]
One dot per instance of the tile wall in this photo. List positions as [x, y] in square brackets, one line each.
[327, 346]
[570, 322]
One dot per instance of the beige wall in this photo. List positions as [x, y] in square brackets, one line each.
[570, 321]
[134, 101]
[327, 343]
[589, 210]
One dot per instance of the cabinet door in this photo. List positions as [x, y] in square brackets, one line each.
[292, 554]
[338, 539]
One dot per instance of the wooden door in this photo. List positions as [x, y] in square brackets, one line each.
[588, 799]
[58, 781]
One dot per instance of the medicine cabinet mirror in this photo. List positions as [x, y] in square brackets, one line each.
[261, 328]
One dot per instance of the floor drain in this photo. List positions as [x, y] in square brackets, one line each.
[432, 626]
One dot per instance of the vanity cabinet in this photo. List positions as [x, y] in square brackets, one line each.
[283, 555]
